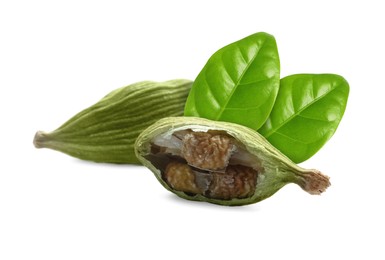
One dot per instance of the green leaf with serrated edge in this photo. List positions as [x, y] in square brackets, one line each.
[306, 113]
[239, 83]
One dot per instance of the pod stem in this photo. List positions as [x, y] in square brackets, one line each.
[313, 181]
[40, 139]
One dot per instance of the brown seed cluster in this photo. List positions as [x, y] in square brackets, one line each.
[209, 151]
[202, 167]
[237, 182]
[180, 177]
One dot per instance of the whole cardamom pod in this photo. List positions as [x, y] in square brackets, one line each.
[106, 131]
[219, 162]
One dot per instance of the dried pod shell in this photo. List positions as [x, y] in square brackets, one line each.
[253, 171]
[106, 131]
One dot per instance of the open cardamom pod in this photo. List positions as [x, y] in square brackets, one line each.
[106, 131]
[219, 162]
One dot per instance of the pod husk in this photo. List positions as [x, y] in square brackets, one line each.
[278, 170]
[106, 131]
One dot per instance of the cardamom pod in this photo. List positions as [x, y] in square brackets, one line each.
[219, 162]
[106, 131]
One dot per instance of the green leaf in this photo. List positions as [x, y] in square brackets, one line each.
[306, 113]
[239, 83]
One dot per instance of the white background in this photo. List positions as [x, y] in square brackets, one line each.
[58, 58]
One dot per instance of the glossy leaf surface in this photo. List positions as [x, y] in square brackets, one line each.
[239, 83]
[306, 113]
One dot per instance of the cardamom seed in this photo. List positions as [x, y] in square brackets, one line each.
[219, 162]
[106, 131]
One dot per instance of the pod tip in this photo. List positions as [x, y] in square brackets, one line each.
[315, 182]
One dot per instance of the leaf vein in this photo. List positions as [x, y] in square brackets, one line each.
[239, 79]
[291, 138]
[313, 118]
[214, 98]
[275, 129]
